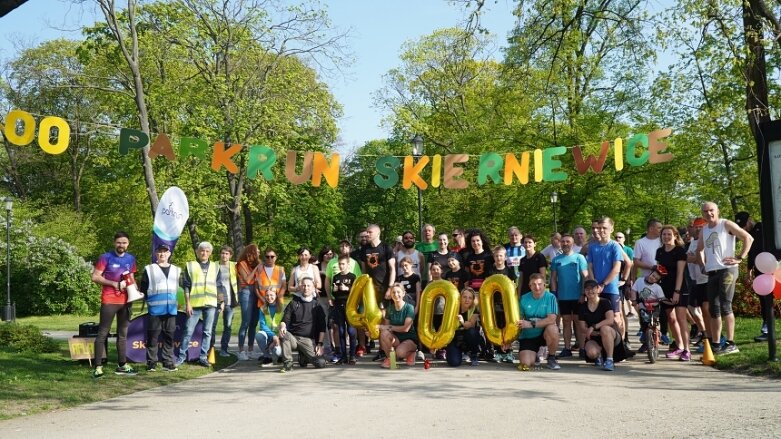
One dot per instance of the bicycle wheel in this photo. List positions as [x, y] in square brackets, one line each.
[653, 346]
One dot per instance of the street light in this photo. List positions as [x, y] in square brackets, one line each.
[417, 151]
[9, 311]
[554, 198]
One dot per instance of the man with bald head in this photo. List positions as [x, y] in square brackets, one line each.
[716, 249]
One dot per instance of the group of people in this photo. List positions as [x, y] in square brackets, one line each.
[575, 286]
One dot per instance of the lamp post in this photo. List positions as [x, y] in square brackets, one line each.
[9, 313]
[554, 198]
[417, 152]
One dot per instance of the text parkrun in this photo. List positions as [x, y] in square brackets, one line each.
[543, 165]
[171, 212]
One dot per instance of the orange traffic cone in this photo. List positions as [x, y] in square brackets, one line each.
[213, 360]
[707, 355]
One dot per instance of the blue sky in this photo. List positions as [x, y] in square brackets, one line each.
[377, 30]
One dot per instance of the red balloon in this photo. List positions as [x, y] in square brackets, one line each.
[777, 290]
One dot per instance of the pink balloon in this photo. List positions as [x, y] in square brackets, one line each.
[763, 284]
[766, 262]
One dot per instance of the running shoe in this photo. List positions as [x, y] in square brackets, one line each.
[125, 370]
[598, 362]
[674, 355]
[508, 358]
[204, 363]
[385, 363]
[729, 348]
[151, 367]
[665, 339]
[686, 356]
[360, 351]
[224, 354]
[243, 356]
[419, 355]
[565, 353]
[98, 372]
[608, 365]
[169, 368]
[553, 364]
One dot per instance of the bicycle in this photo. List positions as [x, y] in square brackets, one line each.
[649, 314]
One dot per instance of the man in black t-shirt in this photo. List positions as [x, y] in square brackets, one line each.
[378, 262]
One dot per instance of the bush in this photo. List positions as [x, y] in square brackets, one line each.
[25, 338]
[746, 301]
[49, 277]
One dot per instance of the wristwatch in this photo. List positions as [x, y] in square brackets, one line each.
[534, 323]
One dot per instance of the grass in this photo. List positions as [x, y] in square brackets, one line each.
[71, 322]
[34, 383]
[753, 357]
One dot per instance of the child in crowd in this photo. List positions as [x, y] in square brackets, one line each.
[500, 267]
[340, 291]
[647, 291]
[410, 281]
[269, 317]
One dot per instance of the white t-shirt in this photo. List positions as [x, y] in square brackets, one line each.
[647, 292]
[645, 251]
[415, 256]
[551, 252]
[694, 269]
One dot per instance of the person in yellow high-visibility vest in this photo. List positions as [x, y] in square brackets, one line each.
[200, 282]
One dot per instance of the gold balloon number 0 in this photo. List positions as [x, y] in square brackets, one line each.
[371, 316]
[44, 131]
[428, 336]
[501, 284]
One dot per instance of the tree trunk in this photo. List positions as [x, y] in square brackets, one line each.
[756, 70]
[132, 59]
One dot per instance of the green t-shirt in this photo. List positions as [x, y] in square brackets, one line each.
[532, 308]
[397, 317]
[333, 268]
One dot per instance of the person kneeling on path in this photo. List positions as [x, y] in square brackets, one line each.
[597, 324]
[303, 329]
[538, 326]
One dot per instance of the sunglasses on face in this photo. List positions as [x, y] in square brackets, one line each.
[271, 256]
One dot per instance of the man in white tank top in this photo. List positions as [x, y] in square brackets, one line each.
[716, 249]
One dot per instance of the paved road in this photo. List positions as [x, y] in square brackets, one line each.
[667, 399]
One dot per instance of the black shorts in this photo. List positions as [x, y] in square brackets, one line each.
[683, 300]
[567, 307]
[699, 295]
[531, 344]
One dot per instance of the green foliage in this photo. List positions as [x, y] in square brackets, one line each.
[49, 277]
[25, 338]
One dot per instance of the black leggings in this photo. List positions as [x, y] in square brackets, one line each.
[107, 313]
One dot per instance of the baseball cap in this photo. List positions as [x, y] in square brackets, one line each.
[162, 247]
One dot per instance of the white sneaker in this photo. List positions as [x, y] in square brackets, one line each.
[420, 356]
[243, 356]
[253, 355]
